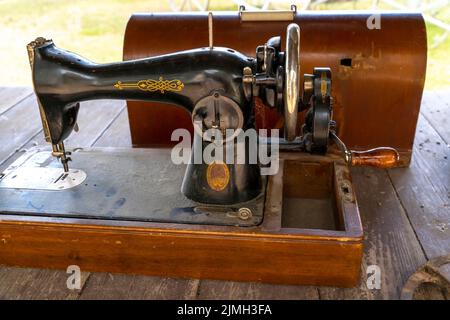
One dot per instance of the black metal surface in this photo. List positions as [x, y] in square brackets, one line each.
[122, 184]
[245, 181]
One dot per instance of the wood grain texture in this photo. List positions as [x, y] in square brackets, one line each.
[41, 284]
[10, 96]
[165, 251]
[424, 190]
[430, 291]
[213, 289]
[117, 134]
[106, 286]
[436, 109]
[93, 119]
[390, 241]
[18, 125]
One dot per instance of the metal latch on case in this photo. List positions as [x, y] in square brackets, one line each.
[267, 15]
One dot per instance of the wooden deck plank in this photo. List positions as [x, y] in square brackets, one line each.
[214, 289]
[27, 283]
[93, 119]
[124, 287]
[118, 134]
[436, 109]
[390, 242]
[10, 96]
[17, 126]
[424, 189]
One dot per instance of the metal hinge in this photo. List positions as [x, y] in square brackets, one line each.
[267, 15]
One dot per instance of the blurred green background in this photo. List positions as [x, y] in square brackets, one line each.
[95, 28]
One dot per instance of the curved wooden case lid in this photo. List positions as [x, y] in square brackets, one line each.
[378, 74]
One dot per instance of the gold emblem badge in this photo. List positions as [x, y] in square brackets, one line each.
[217, 176]
[150, 85]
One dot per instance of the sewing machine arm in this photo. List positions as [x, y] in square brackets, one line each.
[62, 79]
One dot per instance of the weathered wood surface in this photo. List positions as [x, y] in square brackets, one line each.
[390, 242]
[124, 287]
[424, 188]
[405, 213]
[12, 96]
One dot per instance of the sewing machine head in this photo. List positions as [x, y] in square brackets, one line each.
[218, 86]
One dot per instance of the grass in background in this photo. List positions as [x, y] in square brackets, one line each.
[95, 28]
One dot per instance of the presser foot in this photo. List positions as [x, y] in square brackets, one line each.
[59, 151]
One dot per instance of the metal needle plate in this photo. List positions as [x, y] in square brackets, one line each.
[38, 178]
[33, 171]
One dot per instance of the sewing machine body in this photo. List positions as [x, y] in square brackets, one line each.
[191, 75]
[300, 225]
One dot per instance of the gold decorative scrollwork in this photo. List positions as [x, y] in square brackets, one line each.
[150, 85]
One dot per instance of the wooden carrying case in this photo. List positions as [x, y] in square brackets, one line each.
[378, 74]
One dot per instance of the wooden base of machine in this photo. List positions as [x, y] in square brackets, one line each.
[311, 234]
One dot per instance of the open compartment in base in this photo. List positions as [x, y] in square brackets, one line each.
[311, 233]
[309, 201]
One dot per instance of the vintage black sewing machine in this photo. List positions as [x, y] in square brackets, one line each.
[162, 213]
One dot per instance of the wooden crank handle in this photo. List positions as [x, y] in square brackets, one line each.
[383, 157]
